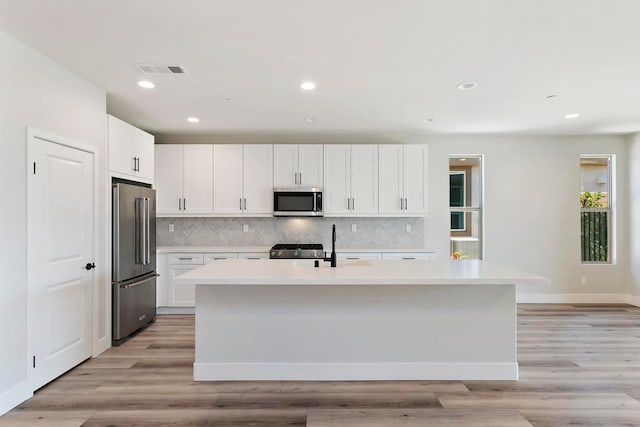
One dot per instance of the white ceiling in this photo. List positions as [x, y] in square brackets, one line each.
[379, 65]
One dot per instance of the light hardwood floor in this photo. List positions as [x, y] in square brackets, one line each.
[579, 365]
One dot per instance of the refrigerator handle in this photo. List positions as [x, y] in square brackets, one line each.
[140, 231]
[147, 245]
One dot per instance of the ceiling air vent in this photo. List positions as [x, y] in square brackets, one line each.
[160, 69]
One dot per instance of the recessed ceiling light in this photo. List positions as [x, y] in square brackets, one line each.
[572, 116]
[146, 84]
[307, 85]
[429, 119]
[228, 100]
[193, 119]
[551, 96]
[309, 119]
[467, 85]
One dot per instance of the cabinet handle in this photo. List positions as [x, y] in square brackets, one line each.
[353, 203]
[245, 204]
[184, 204]
[300, 178]
[134, 164]
[408, 257]
[295, 178]
[401, 204]
[348, 203]
[185, 259]
[180, 204]
[352, 257]
[137, 164]
[240, 203]
[253, 257]
[218, 258]
[405, 204]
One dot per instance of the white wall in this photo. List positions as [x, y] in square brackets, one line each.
[38, 93]
[634, 215]
[532, 187]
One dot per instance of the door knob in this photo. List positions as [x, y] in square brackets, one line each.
[90, 266]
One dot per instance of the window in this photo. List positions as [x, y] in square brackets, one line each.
[457, 197]
[596, 200]
[465, 206]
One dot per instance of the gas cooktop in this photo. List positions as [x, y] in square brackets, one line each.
[296, 250]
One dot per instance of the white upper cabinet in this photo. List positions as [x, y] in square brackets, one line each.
[131, 150]
[243, 179]
[227, 179]
[184, 179]
[403, 179]
[297, 165]
[351, 179]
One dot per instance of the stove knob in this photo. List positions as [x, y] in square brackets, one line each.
[279, 253]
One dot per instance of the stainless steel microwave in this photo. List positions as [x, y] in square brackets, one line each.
[297, 202]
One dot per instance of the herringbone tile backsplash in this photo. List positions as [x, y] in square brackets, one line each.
[387, 233]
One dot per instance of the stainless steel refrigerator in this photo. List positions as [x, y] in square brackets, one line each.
[133, 259]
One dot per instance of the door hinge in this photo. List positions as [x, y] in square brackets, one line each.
[34, 168]
[34, 360]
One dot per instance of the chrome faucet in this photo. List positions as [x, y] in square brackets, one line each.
[333, 259]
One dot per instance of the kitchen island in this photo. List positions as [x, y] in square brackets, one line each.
[364, 320]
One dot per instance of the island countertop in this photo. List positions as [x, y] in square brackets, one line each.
[369, 272]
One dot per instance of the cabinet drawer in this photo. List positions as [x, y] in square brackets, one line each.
[220, 256]
[359, 255]
[186, 258]
[407, 255]
[253, 255]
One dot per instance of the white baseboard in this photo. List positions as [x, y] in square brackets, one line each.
[176, 310]
[633, 300]
[14, 396]
[353, 371]
[530, 298]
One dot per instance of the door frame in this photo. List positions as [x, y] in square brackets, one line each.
[33, 135]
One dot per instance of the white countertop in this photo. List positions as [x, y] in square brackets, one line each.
[241, 249]
[391, 273]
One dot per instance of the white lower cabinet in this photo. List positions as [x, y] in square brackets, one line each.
[359, 255]
[253, 255]
[407, 255]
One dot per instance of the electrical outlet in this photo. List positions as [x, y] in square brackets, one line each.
[172, 228]
[583, 281]
[245, 227]
[408, 228]
[354, 227]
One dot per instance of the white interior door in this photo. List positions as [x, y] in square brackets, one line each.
[61, 221]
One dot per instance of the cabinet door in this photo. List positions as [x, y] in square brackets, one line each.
[198, 179]
[337, 185]
[391, 179]
[364, 178]
[285, 165]
[143, 149]
[168, 178]
[219, 256]
[407, 255]
[182, 295]
[227, 178]
[120, 137]
[258, 178]
[310, 165]
[253, 255]
[415, 179]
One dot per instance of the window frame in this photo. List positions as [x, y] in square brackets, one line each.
[610, 209]
[464, 200]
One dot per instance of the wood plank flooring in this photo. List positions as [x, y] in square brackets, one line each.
[579, 365]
